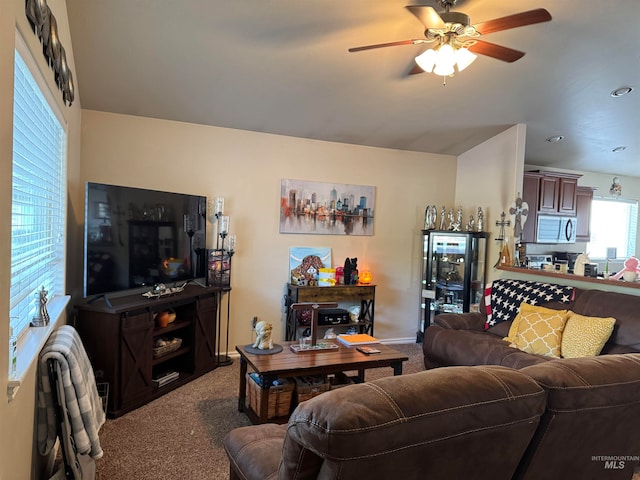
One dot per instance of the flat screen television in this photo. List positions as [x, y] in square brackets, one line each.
[136, 238]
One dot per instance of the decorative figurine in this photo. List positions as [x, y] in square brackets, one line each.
[457, 225]
[42, 316]
[443, 212]
[480, 223]
[430, 216]
[630, 270]
[263, 339]
[450, 216]
[427, 218]
[616, 187]
[471, 224]
[351, 271]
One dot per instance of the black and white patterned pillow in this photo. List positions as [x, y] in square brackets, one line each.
[503, 297]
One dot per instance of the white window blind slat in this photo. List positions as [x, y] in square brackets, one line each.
[38, 198]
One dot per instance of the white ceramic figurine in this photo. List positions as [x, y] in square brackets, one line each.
[263, 340]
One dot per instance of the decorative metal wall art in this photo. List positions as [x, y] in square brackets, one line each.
[519, 211]
[45, 26]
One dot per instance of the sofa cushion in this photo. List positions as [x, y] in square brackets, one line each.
[443, 347]
[414, 426]
[500, 329]
[585, 336]
[255, 450]
[593, 410]
[539, 330]
[507, 295]
[624, 308]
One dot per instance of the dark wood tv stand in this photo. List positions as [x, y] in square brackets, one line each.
[119, 338]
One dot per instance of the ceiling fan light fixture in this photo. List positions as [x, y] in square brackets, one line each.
[464, 58]
[443, 60]
[427, 60]
[444, 69]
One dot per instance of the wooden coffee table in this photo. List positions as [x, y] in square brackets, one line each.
[289, 364]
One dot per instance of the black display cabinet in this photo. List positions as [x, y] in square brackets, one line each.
[453, 274]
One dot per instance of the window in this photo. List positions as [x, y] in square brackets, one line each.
[38, 213]
[613, 224]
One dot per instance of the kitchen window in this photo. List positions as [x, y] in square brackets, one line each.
[613, 225]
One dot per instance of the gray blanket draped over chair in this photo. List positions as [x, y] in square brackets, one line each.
[77, 393]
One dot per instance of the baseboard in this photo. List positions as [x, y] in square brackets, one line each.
[390, 341]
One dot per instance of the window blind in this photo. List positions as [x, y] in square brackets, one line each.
[38, 200]
[614, 223]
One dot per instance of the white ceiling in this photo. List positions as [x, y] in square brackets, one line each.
[282, 67]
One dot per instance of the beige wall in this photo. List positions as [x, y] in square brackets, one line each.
[490, 176]
[18, 459]
[246, 168]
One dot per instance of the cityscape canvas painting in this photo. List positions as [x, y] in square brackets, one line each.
[326, 208]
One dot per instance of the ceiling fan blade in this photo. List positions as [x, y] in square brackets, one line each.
[427, 15]
[389, 44]
[513, 21]
[415, 69]
[496, 51]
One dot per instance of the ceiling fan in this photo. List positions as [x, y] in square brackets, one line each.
[456, 40]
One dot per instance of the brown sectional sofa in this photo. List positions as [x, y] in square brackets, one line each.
[572, 419]
[491, 412]
[461, 339]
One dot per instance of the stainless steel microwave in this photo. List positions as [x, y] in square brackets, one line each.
[556, 229]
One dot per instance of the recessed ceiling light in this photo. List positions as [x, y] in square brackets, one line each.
[619, 92]
[621, 148]
[555, 138]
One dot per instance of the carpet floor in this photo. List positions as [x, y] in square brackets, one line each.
[179, 435]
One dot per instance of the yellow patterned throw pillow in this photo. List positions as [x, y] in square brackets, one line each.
[539, 330]
[524, 309]
[585, 336]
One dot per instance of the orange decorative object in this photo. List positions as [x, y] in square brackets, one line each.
[365, 277]
[162, 319]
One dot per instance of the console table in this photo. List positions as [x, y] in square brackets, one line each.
[365, 294]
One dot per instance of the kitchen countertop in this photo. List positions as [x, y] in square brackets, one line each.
[601, 282]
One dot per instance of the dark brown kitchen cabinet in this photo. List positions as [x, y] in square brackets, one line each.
[548, 193]
[558, 194]
[121, 338]
[584, 196]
